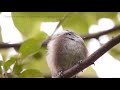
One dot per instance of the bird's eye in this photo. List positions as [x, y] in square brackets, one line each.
[69, 33]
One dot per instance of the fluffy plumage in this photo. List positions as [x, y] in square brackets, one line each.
[65, 50]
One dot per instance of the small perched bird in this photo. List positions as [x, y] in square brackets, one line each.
[65, 49]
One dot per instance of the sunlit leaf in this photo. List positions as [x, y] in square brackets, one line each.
[115, 52]
[17, 68]
[40, 65]
[37, 55]
[0, 35]
[31, 73]
[88, 72]
[76, 22]
[4, 53]
[10, 75]
[1, 63]
[8, 63]
[29, 47]
[28, 23]
[80, 21]
[61, 21]
[111, 15]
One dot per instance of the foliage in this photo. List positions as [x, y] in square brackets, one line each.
[31, 56]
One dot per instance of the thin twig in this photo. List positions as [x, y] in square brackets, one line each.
[60, 22]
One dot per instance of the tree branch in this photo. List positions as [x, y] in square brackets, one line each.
[85, 37]
[96, 35]
[92, 58]
[89, 36]
[5, 45]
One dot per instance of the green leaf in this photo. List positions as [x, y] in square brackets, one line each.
[88, 73]
[76, 22]
[38, 55]
[80, 21]
[8, 63]
[115, 52]
[17, 68]
[29, 47]
[0, 35]
[60, 22]
[1, 63]
[40, 65]
[31, 73]
[28, 23]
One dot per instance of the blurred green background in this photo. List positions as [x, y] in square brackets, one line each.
[33, 57]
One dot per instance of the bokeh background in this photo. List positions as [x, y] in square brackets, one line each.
[33, 28]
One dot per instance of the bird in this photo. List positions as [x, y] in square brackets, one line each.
[65, 49]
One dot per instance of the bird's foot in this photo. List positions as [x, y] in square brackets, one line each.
[79, 62]
[61, 74]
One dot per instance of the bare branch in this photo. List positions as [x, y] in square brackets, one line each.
[5, 45]
[89, 36]
[92, 58]
[96, 35]
[85, 37]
